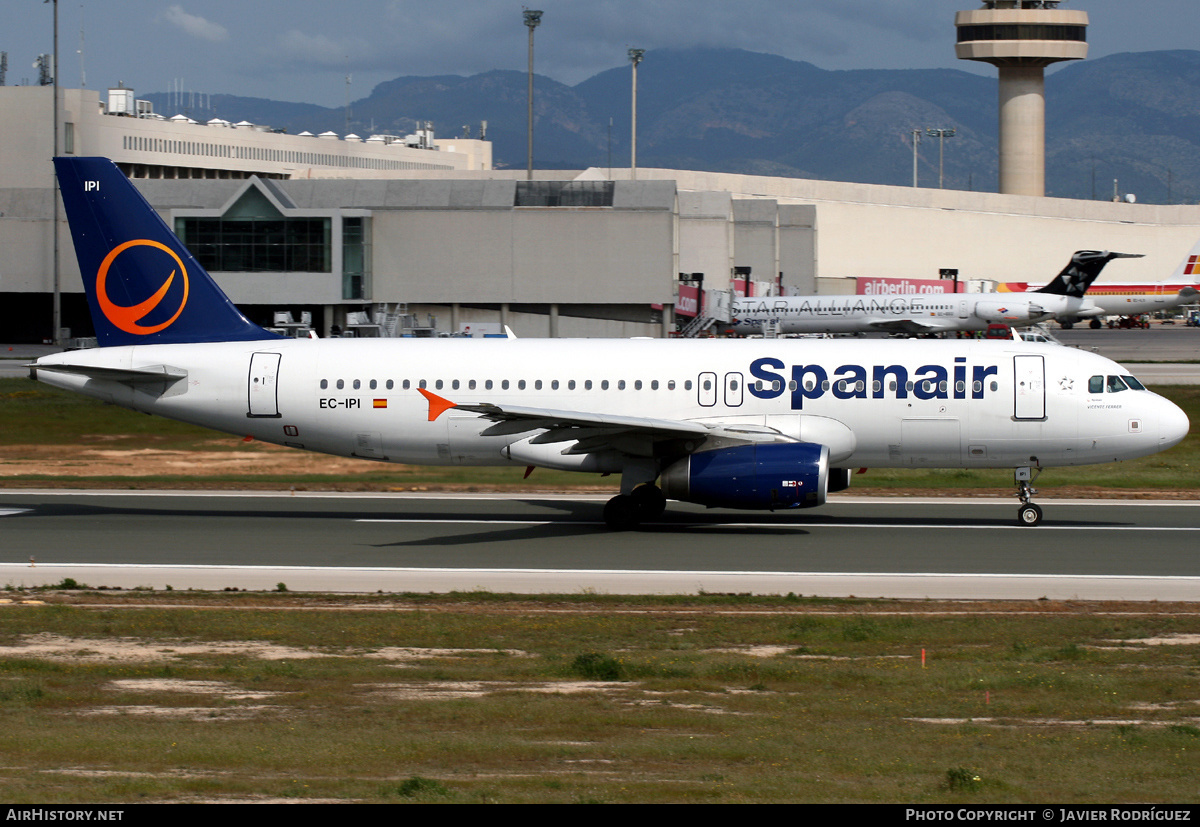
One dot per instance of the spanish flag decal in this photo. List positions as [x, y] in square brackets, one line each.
[380, 403]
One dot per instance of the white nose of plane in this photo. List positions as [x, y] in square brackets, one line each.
[1172, 424]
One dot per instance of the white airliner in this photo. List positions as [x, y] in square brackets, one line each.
[927, 312]
[1134, 298]
[756, 424]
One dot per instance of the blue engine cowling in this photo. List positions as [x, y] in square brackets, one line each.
[775, 475]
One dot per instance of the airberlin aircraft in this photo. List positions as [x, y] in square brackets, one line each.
[755, 424]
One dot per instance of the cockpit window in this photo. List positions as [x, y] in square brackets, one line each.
[1134, 383]
[1116, 384]
[1096, 384]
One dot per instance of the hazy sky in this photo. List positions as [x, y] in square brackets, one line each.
[302, 50]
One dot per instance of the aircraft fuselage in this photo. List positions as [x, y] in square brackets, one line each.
[880, 404]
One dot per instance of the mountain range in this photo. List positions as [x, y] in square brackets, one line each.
[1132, 117]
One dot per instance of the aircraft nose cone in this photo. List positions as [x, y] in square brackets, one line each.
[1172, 425]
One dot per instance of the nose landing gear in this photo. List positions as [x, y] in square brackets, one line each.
[1029, 513]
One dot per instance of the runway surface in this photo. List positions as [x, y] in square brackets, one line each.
[867, 547]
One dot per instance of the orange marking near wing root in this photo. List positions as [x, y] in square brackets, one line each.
[437, 405]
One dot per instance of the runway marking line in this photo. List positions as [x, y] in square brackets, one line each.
[439, 521]
[633, 572]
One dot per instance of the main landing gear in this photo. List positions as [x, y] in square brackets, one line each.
[1029, 513]
[626, 511]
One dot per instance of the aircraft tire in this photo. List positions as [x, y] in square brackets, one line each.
[1095, 324]
[622, 513]
[1029, 514]
[650, 501]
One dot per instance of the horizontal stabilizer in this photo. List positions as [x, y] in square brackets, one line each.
[152, 374]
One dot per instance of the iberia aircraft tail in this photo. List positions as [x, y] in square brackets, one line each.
[142, 284]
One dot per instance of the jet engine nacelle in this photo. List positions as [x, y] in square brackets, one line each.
[1002, 312]
[773, 475]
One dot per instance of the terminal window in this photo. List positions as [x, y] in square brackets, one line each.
[278, 245]
[564, 194]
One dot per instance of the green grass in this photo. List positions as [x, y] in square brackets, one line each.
[1015, 703]
[35, 414]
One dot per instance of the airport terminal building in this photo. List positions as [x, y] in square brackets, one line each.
[395, 235]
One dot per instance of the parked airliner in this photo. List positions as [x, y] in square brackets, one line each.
[1135, 298]
[755, 424]
[918, 313]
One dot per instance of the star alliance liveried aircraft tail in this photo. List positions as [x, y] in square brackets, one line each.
[1083, 269]
[1130, 299]
[147, 288]
[755, 424]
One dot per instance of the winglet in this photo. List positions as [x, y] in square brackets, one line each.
[437, 405]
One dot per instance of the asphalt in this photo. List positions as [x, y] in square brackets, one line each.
[867, 547]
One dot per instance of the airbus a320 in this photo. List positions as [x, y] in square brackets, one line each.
[752, 424]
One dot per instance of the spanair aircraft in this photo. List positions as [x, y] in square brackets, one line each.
[927, 312]
[1135, 298]
[755, 424]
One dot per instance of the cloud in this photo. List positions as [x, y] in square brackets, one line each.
[296, 48]
[195, 26]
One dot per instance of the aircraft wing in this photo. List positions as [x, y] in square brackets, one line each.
[909, 326]
[595, 432]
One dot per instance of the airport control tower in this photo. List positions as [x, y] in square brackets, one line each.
[1021, 38]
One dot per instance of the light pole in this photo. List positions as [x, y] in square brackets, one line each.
[916, 138]
[532, 19]
[57, 313]
[635, 57]
[941, 135]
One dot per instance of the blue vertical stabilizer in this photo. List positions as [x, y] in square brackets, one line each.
[142, 284]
